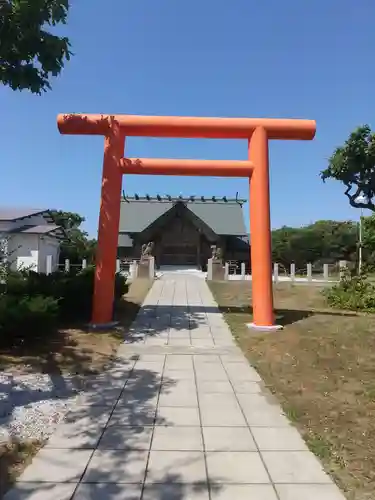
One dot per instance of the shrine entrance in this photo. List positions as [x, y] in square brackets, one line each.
[257, 132]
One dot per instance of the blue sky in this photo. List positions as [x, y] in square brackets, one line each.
[199, 58]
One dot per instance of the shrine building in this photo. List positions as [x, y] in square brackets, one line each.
[183, 229]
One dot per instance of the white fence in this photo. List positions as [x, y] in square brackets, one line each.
[281, 274]
[329, 273]
[125, 267]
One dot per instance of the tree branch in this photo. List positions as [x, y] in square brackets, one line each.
[353, 197]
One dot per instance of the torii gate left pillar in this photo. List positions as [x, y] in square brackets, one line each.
[256, 131]
[109, 220]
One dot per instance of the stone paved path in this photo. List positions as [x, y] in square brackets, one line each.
[181, 415]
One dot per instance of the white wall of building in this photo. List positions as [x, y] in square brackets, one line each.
[23, 251]
[29, 251]
[48, 246]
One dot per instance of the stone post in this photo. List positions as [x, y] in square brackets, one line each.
[276, 272]
[209, 270]
[118, 266]
[49, 264]
[226, 271]
[67, 265]
[325, 272]
[292, 271]
[309, 271]
[243, 270]
[84, 263]
[152, 268]
[133, 270]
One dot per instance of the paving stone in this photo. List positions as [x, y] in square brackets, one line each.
[134, 339]
[108, 379]
[199, 334]
[228, 439]
[257, 401]
[200, 328]
[158, 341]
[177, 333]
[177, 416]
[152, 358]
[278, 439]
[244, 492]
[222, 417]
[215, 373]
[176, 492]
[106, 491]
[221, 334]
[126, 438]
[143, 382]
[179, 342]
[309, 492]
[209, 358]
[218, 400]
[121, 369]
[41, 491]
[177, 386]
[142, 397]
[116, 466]
[233, 358]
[294, 467]
[155, 367]
[176, 467]
[178, 398]
[269, 417]
[236, 468]
[86, 414]
[177, 438]
[134, 416]
[223, 342]
[203, 343]
[170, 375]
[159, 333]
[76, 435]
[246, 387]
[214, 387]
[241, 371]
[107, 397]
[56, 466]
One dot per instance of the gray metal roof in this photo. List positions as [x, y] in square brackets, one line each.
[42, 229]
[124, 240]
[223, 216]
[14, 213]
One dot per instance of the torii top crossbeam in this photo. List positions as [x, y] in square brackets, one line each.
[186, 126]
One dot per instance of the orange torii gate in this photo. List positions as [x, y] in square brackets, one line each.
[257, 131]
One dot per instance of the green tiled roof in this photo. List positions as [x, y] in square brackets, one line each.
[224, 216]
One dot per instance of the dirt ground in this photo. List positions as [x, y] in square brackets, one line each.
[321, 367]
[77, 350]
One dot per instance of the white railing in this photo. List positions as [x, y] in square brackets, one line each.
[325, 273]
[126, 267]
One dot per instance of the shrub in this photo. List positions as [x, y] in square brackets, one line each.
[354, 292]
[24, 318]
[73, 289]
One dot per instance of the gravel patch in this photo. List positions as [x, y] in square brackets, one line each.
[32, 405]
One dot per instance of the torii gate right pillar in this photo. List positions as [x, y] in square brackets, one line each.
[260, 230]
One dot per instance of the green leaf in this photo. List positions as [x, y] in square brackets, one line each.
[29, 53]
